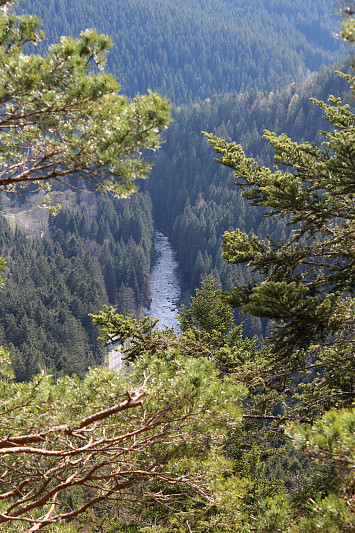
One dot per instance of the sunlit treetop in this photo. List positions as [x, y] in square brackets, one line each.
[347, 13]
[62, 118]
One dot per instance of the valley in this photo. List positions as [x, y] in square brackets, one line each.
[190, 158]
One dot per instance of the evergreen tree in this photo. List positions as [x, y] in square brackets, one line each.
[140, 433]
[307, 281]
[63, 121]
[305, 284]
[207, 310]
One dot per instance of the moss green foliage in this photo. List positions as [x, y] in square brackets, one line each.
[206, 431]
[304, 283]
[207, 311]
[306, 280]
[331, 441]
[116, 437]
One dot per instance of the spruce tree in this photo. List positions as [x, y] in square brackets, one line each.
[304, 284]
[304, 376]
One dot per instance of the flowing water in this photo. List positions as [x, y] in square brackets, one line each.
[165, 293]
[164, 284]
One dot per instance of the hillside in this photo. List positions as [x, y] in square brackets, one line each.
[242, 419]
[104, 249]
[192, 195]
[195, 49]
[96, 251]
[191, 198]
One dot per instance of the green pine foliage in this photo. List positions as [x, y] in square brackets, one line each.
[194, 201]
[207, 311]
[211, 431]
[125, 440]
[304, 376]
[63, 119]
[306, 281]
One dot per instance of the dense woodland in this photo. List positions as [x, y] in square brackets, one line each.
[195, 202]
[187, 190]
[187, 197]
[195, 49]
[235, 424]
[88, 257]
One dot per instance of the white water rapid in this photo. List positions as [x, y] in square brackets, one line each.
[164, 285]
[165, 294]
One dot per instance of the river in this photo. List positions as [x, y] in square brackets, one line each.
[165, 293]
[164, 284]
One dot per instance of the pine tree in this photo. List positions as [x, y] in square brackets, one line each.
[305, 284]
[62, 117]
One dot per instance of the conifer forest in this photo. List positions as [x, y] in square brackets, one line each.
[228, 127]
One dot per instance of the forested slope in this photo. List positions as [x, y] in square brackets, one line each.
[89, 256]
[188, 51]
[194, 200]
[198, 48]
[209, 431]
[102, 253]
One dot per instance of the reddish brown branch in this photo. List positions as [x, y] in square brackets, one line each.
[11, 444]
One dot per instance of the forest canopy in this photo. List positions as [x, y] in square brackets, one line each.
[193, 50]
